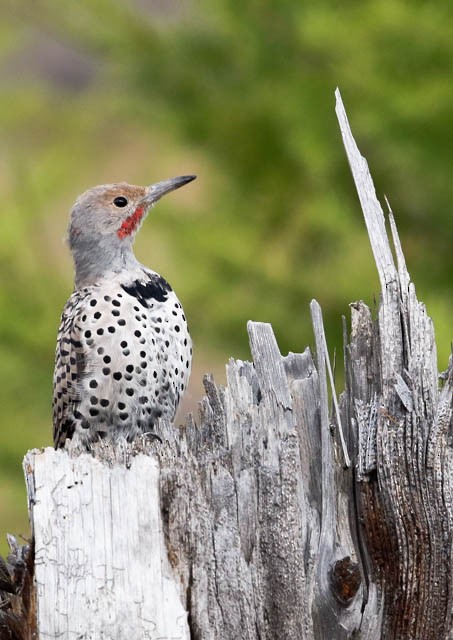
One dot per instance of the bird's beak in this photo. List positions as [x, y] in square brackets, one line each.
[156, 191]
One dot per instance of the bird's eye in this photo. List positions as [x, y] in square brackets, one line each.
[120, 201]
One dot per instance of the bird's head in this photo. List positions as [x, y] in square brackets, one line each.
[105, 219]
[116, 210]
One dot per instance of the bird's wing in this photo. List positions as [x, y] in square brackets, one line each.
[70, 364]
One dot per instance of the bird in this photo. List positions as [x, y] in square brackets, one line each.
[124, 353]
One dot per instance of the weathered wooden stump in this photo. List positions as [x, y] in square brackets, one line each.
[272, 516]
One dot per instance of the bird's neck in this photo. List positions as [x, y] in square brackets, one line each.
[95, 261]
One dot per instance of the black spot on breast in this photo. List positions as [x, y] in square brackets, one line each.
[156, 288]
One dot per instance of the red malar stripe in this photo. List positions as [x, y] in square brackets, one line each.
[130, 224]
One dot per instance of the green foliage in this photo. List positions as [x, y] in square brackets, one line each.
[242, 94]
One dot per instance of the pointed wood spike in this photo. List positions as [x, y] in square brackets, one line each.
[372, 210]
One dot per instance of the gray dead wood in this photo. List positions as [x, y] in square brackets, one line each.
[401, 423]
[281, 513]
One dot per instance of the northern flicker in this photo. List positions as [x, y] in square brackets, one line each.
[124, 352]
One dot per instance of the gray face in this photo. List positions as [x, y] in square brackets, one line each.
[104, 222]
[114, 210]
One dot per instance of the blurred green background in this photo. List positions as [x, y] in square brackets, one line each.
[242, 94]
